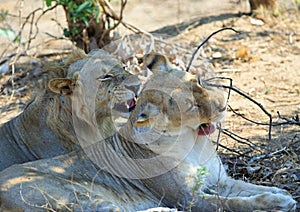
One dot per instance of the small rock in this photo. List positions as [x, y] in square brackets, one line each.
[256, 22]
[37, 72]
[34, 62]
[217, 55]
[252, 170]
[4, 68]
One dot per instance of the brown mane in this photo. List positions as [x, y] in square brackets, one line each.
[45, 128]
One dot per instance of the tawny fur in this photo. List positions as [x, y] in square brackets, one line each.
[163, 152]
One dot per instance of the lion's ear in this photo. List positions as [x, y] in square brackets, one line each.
[62, 85]
[157, 62]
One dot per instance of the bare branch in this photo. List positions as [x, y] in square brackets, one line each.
[230, 87]
[203, 42]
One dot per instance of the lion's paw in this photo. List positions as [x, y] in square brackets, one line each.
[270, 201]
[276, 190]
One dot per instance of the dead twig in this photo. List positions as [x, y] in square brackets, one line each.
[234, 151]
[287, 121]
[203, 42]
[238, 138]
[31, 17]
[294, 121]
[109, 11]
[264, 156]
[232, 88]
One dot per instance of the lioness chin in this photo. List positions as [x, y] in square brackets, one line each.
[154, 160]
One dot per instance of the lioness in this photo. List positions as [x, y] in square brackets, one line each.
[45, 129]
[154, 160]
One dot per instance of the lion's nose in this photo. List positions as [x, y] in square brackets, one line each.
[222, 109]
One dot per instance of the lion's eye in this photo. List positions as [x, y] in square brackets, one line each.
[105, 77]
[171, 101]
[143, 116]
[143, 120]
[125, 67]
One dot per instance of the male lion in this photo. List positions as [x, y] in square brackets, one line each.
[154, 160]
[45, 128]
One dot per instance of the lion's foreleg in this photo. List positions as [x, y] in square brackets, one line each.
[240, 188]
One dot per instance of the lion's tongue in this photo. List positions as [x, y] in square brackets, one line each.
[206, 129]
[131, 104]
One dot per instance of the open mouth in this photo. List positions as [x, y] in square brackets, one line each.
[125, 107]
[206, 129]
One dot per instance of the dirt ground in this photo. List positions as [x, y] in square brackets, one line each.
[263, 61]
